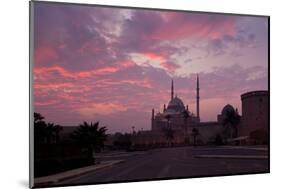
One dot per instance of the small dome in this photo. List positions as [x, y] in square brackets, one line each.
[175, 105]
[227, 109]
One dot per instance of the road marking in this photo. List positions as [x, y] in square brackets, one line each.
[232, 156]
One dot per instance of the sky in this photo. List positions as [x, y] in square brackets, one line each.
[114, 65]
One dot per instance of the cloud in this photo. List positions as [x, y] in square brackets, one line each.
[115, 65]
[44, 55]
[101, 109]
[154, 60]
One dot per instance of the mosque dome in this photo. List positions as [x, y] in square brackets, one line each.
[228, 109]
[175, 105]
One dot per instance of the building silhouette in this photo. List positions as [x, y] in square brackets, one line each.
[178, 119]
[176, 115]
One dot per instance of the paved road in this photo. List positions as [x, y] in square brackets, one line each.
[177, 162]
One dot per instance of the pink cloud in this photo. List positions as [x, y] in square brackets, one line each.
[163, 59]
[46, 103]
[181, 25]
[151, 55]
[44, 54]
[170, 66]
[49, 71]
[104, 108]
[52, 85]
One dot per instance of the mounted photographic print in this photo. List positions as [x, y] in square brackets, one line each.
[125, 94]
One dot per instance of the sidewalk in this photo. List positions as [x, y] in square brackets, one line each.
[51, 179]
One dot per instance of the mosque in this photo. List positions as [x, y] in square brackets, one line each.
[177, 123]
[177, 119]
[176, 115]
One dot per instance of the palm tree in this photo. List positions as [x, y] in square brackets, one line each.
[52, 133]
[45, 133]
[90, 136]
[39, 129]
[37, 117]
[194, 133]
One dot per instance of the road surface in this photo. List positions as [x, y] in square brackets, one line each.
[177, 163]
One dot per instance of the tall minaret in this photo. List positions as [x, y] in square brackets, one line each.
[152, 119]
[172, 90]
[197, 99]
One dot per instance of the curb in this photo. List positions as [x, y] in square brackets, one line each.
[52, 179]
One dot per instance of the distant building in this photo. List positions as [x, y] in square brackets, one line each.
[178, 118]
[255, 114]
[176, 115]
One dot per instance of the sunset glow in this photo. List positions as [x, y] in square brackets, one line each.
[114, 65]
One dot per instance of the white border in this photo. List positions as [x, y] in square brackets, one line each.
[14, 103]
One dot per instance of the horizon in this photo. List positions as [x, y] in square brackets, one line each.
[113, 65]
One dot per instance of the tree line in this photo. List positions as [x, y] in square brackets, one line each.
[88, 135]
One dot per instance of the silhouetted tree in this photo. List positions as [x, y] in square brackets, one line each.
[194, 133]
[45, 133]
[39, 129]
[90, 136]
[232, 119]
[52, 133]
[38, 117]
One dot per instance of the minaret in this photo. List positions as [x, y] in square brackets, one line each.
[164, 108]
[197, 99]
[152, 119]
[172, 90]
